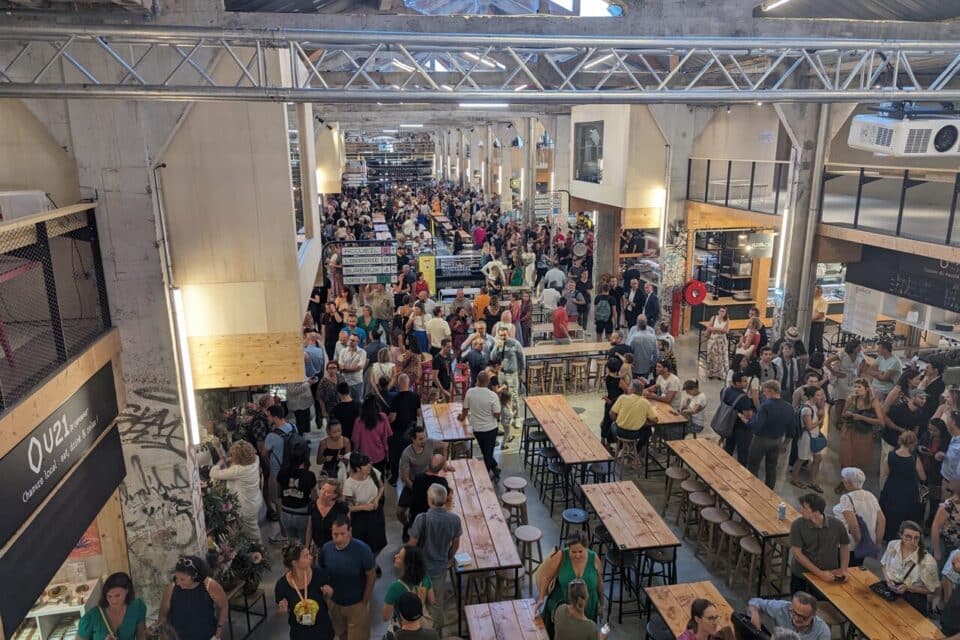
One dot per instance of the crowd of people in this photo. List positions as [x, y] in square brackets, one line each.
[374, 355]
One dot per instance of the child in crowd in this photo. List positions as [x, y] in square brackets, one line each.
[692, 405]
[507, 412]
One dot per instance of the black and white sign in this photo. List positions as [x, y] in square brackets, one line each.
[32, 469]
[369, 263]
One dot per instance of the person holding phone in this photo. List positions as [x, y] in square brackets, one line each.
[910, 571]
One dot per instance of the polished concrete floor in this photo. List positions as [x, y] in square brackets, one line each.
[590, 406]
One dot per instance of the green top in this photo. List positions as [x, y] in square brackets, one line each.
[93, 627]
[517, 279]
[566, 575]
[374, 323]
[399, 587]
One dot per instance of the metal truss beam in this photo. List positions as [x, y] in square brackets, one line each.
[171, 63]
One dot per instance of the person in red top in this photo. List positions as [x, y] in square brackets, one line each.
[561, 331]
[371, 433]
[420, 285]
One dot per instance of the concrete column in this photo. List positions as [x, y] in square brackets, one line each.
[530, 168]
[488, 167]
[462, 156]
[807, 126]
[506, 153]
[606, 231]
[680, 126]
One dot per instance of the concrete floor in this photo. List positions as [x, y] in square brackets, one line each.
[590, 407]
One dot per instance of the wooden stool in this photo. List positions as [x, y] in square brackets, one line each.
[556, 378]
[515, 483]
[675, 475]
[599, 372]
[710, 520]
[535, 378]
[698, 501]
[528, 541]
[689, 486]
[481, 587]
[749, 553]
[506, 580]
[516, 504]
[627, 453]
[730, 532]
[578, 375]
[832, 616]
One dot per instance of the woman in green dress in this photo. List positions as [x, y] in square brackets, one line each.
[366, 321]
[119, 616]
[576, 562]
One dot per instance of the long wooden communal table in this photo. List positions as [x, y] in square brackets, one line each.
[667, 416]
[442, 422]
[546, 329]
[632, 521]
[742, 491]
[513, 619]
[574, 441]
[572, 350]
[673, 602]
[486, 535]
[876, 618]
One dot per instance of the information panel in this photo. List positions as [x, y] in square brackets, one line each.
[369, 262]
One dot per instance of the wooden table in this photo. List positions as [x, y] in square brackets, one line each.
[742, 491]
[876, 618]
[442, 423]
[667, 416]
[673, 603]
[573, 439]
[546, 329]
[632, 522]
[572, 350]
[513, 619]
[486, 536]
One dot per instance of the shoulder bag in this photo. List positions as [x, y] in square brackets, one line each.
[882, 590]
[866, 548]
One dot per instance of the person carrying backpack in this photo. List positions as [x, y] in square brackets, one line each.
[278, 447]
[734, 402]
[603, 312]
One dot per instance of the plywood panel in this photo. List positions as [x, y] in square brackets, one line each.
[904, 245]
[25, 415]
[113, 535]
[244, 360]
[642, 218]
[710, 216]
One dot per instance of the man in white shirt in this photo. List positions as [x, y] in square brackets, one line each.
[667, 387]
[483, 407]
[692, 405]
[437, 330]
[554, 278]
[352, 361]
[549, 299]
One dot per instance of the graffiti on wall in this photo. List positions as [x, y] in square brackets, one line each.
[161, 493]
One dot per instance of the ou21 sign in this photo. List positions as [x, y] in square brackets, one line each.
[34, 467]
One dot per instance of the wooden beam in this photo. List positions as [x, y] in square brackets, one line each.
[702, 216]
[903, 245]
[828, 249]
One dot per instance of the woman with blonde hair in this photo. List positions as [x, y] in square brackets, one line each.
[570, 619]
[240, 469]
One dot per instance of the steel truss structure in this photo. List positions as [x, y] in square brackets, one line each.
[176, 63]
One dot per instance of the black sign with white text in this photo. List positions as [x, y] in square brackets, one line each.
[32, 469]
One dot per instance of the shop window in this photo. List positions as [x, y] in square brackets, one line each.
[588, 152]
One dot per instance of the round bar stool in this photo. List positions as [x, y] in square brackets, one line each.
[832, 616]
[600, 539]
[627, 454]
[579, 375]
[543, 457]
[675, 475]
[598, 472]
[621, 566]
[528, 541]
[556, 378]
[599, 372]
[536, 377]
[689, 486]
[515, 483]
[516, 504]
[698, 501]
[749, 557]
[534, 440]
[731, 532]
[658, 563]
[554, 487]
[710, 520]
[574, 517]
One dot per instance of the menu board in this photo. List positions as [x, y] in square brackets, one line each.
[369, 262]
[861, 306]
[918, 278]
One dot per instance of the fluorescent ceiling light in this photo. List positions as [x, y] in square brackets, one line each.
[768, 5]
[521, 87]
[411, 126]
[400, 65]
[594, 63]
[484, 105]
[390, 130]
[186, 368]
[446, 87]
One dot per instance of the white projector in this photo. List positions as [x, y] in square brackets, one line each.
[911, 138]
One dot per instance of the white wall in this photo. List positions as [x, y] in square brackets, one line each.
[646, 161]
[747, 132]
[616, 135]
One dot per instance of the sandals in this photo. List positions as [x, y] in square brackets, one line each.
[815, 487]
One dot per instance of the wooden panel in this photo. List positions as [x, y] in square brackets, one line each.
[673, 603]
[738, 488]
[631, 520]
[760, 283]
[574, 440]
[27, 414]
[903, 245]
[442, 422]
[113, 535]
[711, 216]
[827, 249]
[875, 617]
[219, 362]
[262, 307]
[513, 619]
[642, 218]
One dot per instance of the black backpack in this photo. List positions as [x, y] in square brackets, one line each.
[725, 419]
[292, 442]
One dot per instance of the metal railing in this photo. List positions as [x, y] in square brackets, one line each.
[751, 185]
[53, 296]
[916, 203]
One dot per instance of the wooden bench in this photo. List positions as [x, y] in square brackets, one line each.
[442, 421]
[486, 536]
[576, 443]
[514, 619]
[673, 603]
[876, 618]
[632, 522]
[742, 491]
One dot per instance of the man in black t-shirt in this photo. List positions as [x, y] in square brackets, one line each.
[735, 396]
[347, 410]
[443, 368]
[404, 411]
[296, 484]
[417, 501]
[617, 346]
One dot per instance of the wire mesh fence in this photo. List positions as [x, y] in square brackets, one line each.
[53, 300]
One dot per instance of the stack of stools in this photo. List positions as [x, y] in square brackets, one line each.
[619, 569]
[698, 501]
[675, 476]
[528, 544]
[536, 378]
[516, 505]
[579, 379]
[556, 378]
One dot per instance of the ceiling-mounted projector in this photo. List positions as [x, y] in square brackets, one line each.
[908, 129]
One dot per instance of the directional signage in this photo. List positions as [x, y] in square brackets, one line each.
[369, 262]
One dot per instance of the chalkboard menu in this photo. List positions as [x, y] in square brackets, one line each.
[924, 280]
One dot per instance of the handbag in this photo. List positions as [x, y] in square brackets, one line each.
[866, 548]
[818, 442]
[885, 592]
